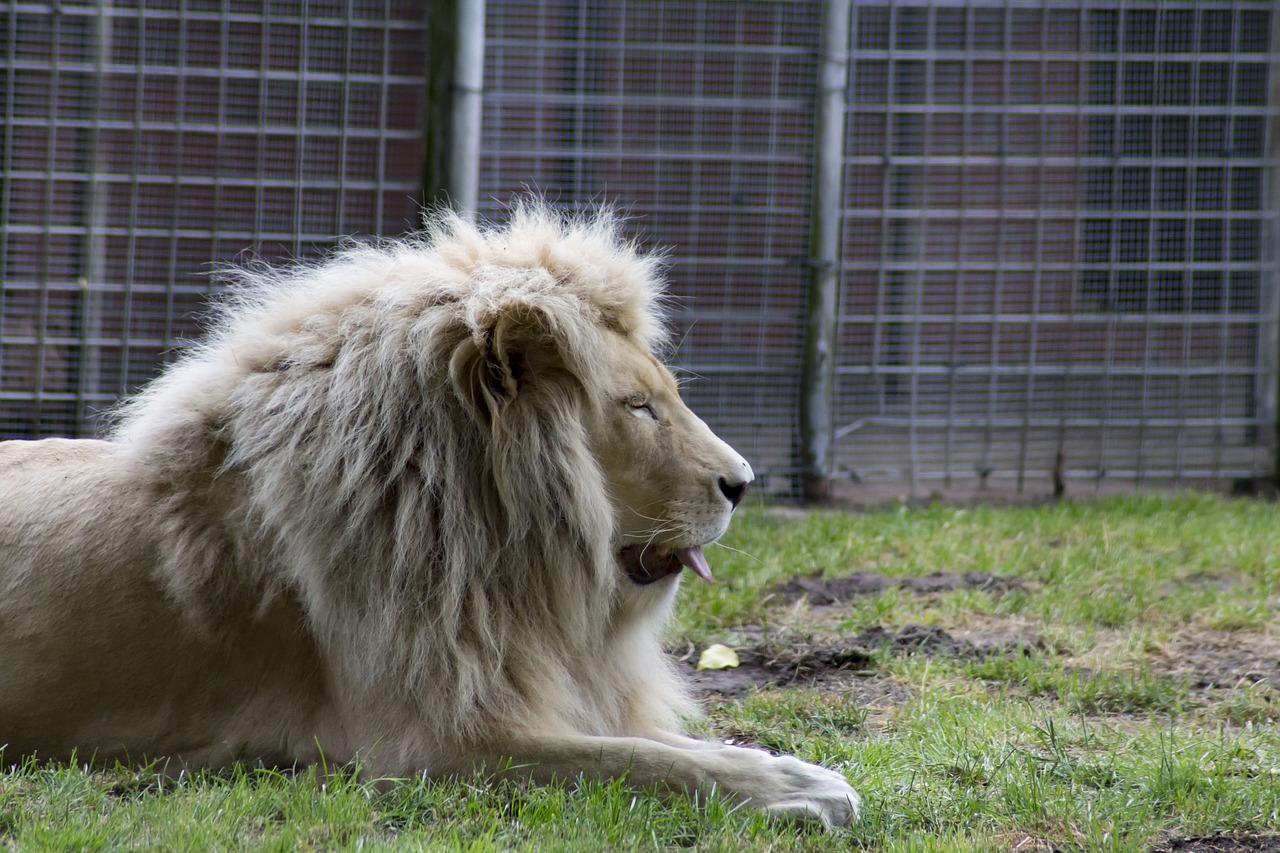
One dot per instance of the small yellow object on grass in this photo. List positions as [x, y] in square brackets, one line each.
[718, 657]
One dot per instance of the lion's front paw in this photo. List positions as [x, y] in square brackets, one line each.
[788, 788]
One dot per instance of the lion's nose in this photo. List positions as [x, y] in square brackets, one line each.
[734, 491]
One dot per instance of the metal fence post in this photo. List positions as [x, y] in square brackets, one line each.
[817, 383]
[451, 167]
[1269, 390]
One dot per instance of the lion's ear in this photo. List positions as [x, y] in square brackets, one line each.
[506, 361]
[467, 372]
[492, 369]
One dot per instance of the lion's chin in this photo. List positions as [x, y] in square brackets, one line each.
[645, 564]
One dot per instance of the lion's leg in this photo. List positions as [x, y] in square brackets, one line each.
[682, 741]
[784, 786]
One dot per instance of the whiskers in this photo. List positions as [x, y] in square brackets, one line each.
[746, 554]
[681, 530]
[662, 531]
[663, 527]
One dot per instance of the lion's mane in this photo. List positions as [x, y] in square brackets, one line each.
[453, 561]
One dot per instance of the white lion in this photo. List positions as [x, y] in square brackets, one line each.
[424, 505]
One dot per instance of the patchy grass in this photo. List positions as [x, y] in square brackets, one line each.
[1136, 561]
[1125, 690]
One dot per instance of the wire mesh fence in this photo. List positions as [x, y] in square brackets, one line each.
[144, 141]
[1058, 261]
[697, 119]
[1059, 256]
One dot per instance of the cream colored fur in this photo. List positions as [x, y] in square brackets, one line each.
[378, 516]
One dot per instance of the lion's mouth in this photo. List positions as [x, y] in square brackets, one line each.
[645, 564]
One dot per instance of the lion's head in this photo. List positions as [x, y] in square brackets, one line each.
[443, 447]
[575, 327]
[672, 481]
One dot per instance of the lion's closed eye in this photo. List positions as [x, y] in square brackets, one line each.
[640, 405]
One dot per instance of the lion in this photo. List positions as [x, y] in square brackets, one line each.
[422, 506]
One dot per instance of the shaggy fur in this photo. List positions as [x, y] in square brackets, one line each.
[424, 505]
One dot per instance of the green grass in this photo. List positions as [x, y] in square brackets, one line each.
[1098, 737]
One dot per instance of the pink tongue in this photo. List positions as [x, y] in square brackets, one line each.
[693, 559]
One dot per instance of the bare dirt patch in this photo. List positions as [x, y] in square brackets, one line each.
[847, 663]
[820, 592]
[1222, 844]
[842, 663]
[1222, 660]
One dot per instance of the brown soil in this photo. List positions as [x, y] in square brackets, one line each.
[1222, 661]
[1222, 844]
[819, 591]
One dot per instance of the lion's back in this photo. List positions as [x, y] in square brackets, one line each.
[50, 452]
[53, 488]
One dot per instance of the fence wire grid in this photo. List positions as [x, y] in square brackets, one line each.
[1059, 260]
[145, 141]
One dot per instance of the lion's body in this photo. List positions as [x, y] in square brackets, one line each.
[384, 514]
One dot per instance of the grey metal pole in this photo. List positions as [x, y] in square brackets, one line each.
[93, 267]
[817, 384]
[468, 77]
[455, 57]
[1269, 386]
